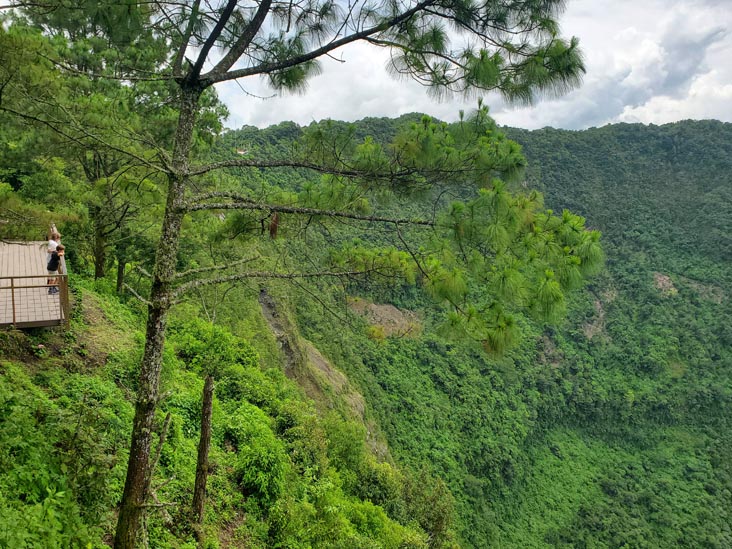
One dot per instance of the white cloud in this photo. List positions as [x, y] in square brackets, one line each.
[707, 94]
[355, 86]
[651, 61]
[673, 62]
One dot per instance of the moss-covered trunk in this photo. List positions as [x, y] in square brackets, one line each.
[139, 473]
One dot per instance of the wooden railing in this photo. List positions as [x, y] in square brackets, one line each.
[24, 282]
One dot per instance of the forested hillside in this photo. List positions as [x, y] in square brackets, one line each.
[352, 412]
[612, 429]
[650, 340]
[194, 399]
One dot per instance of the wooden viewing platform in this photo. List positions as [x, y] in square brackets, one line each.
[24, 298]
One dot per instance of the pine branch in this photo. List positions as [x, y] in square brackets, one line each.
[77, 140]
[244, 203]
[45, 5]
[254, 163]
[266, 68]
[264, 274]
[87, 74]
[396, 173]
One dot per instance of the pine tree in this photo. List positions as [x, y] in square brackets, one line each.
[453, 46]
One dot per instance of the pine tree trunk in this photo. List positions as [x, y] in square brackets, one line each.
[100, 253]
[121, 252]
[139, 474]
[137, 484]
[199, 492]
[121, 264]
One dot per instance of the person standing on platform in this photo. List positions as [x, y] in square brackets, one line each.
[56, 261]
[53, 241]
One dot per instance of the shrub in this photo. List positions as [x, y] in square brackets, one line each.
[261, 460]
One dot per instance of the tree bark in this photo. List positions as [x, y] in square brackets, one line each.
[100, 255]
[199, 491]
[121, 264]
[121, 252]
[138, 479]
[139, 473]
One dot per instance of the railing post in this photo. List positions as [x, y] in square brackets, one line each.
[12, 297]
[64, 298]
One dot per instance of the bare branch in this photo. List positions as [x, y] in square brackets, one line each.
[150, 493]
[265, 274]
[316, 297]
[138, 296]
[410, 252]
[244, 203]
[265, 68]
[165, 483]
[159, 449]
[142, 270]
[185, 39]
[191, 272]
[224, 17]
[242, 43]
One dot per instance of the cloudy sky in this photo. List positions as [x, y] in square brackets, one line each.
[650, 61]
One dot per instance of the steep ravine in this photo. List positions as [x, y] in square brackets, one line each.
[319, 379]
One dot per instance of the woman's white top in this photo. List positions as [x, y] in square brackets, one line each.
[52, 245]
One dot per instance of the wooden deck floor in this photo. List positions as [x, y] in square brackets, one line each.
[26, 307]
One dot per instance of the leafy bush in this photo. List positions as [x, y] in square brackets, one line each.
[261, 462]
[60, 453]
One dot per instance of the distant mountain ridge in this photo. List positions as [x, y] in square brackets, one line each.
[683, 171]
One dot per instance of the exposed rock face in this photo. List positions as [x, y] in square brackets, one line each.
[597, 326]
[664, 284]
[320, 380]
[283, 332]
[392, 322]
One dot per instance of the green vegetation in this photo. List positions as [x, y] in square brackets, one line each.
[409, 349]
[126, 90]
[283, 475]
[609, 430]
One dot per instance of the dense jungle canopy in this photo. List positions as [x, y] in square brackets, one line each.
[409, 333]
